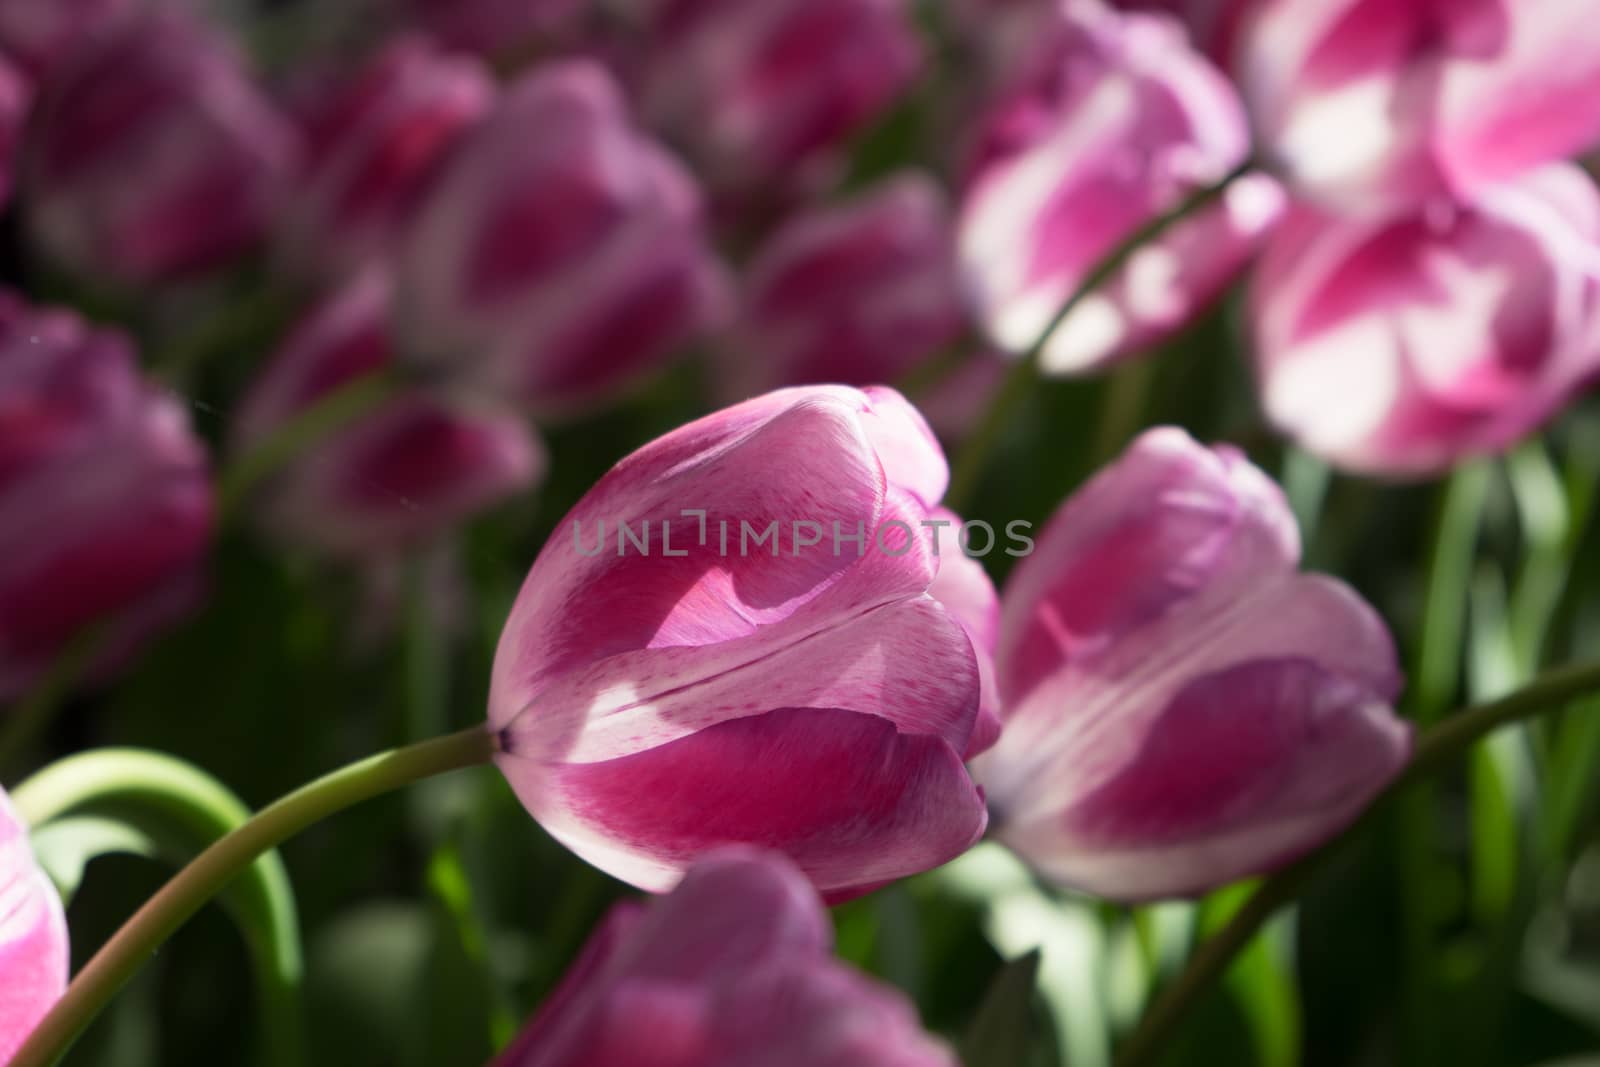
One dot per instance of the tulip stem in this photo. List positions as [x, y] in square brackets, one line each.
[1024, 374]
[1438, 748]
[212, 871]
[331, 412]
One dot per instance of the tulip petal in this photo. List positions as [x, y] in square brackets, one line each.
[33, 936]
[852, 800]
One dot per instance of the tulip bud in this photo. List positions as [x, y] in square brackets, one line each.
[757, 91]
[1402, 345]
[33, 936]
[1382, 105]
[40, 34]
[730, 969]
[1113, 121]
[371, 144]
[730, 639]
[856, 293]
[560, 251]
[105, 505]
[1181, 707]
[151, 156]
[422, 463]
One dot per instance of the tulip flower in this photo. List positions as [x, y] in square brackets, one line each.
[105, 502]
[731, 639]
[963, 587]
[1378, 105]
[1181, 707]
[1399, 346]
[423, 462]
[33, 936]
[731, 969]
[151, 156]
[40, 34]
[560, 252]
[855, 293]
[371, 144]
[1113, 120]
[762, 92]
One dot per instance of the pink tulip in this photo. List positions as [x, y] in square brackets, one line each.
[1181, 707]
[41, 34]
[853, 293]
[963, 588]
[423, 462]
[777, 681]
[1400, 346]
[731, 969]
[151, 156]
[105, 504]
[759, 90]
[15, 95]
[1374, 104]
[33, 936]
[1113, 120]
[492, 27]
[561, 251]
[372, 143]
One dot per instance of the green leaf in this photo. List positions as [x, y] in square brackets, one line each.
[65, 846]
[1002, 1032]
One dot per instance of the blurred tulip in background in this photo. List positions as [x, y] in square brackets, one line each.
[39, 34]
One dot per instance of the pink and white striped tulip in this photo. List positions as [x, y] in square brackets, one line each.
[1181, 707]
[763, 93]
[1112, 120]
[105, 501]
[853, 293]
[730, 969]
[33, 936]
[41, 34]
[151, 155]
[371, 145]
[1378, 104]
[803, 692]
[424, 462]
[560, 252]
[1400, 346]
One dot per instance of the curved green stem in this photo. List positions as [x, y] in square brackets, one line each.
[1025, 372]
[1436, 749]
[212, 871]
[182, 808]
[333, 411]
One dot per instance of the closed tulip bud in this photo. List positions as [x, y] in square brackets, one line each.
[371, 145]
[1181, 707]
[1113, 120]
[41, 34]
[1381, 105]
[1400, 346]
[560, 252]
[731, 639]
[151, 156]
[33, 936]
[730, 969]
[422, 463]
[855, 293]
[105, 503]
[757, 91]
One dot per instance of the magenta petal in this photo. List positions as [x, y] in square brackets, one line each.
[853, 801]
[33, 936]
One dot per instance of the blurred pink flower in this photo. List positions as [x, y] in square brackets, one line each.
[853, 293]
[151, 156]
[1181, 708]
[731, 969]
[424, 462]
[803, 693]
[33, 936]
[371, 145]
[1402, 345]
[1111, 120]
[105, 500]
[491, 27]
[758, 93]
[1374, 104]
[15, 95]
[41, 34]
[1213, 25]
[560, 253]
